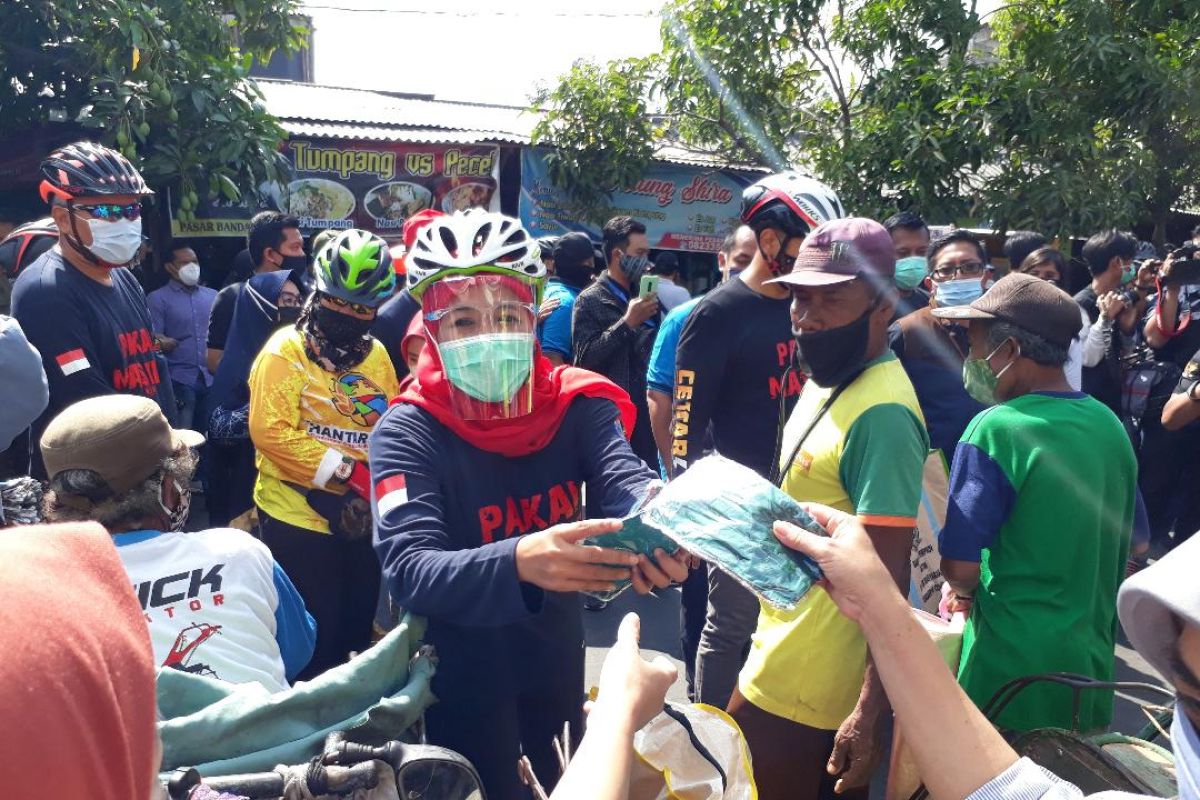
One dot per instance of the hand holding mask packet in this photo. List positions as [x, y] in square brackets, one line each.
[723, 512]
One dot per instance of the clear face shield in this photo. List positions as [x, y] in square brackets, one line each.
[482, 329]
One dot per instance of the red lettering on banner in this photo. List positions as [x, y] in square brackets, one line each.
[662, 191]
[705, 190]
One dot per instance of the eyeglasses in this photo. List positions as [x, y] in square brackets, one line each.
[357, 308]
[972, 269]
[111, 212]
[290, 300]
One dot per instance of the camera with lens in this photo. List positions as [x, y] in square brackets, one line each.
[1129, 295]
[1185, 266]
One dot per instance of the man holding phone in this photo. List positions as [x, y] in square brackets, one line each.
[615, 321]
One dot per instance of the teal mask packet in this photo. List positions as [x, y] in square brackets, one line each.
[724, 512]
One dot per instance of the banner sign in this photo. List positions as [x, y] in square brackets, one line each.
[683, 208]
[373, 186]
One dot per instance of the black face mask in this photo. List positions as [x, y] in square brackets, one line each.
[287, 315]
[297, 264]
[833, 356]
[576, 274]
[340, 330]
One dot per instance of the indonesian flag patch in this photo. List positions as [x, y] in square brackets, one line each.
[72, 361]
[390, 493]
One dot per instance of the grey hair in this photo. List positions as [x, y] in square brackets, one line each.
[77, 495]
[1034, 347]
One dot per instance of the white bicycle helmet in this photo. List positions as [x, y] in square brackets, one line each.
[469, 243]
[791, 201]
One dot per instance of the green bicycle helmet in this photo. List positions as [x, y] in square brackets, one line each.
[356, 267]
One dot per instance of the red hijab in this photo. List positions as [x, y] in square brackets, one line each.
[554, 389]
[76, 672]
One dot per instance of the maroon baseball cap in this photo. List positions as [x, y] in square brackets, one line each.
[842, 250]
[1030, 303]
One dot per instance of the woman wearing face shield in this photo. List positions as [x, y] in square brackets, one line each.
[478, 471]
[317, 389]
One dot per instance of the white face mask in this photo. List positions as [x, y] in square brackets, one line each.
[189, 274]
[115, 242]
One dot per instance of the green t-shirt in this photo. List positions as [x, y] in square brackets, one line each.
[1042, 495]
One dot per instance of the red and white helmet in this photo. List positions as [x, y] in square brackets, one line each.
[790, 201]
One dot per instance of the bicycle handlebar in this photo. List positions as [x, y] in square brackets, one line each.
[319, 779]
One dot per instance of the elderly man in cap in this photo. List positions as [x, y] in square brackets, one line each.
[808, 699]
[956, 750]
[215, 601]
[1041, 507]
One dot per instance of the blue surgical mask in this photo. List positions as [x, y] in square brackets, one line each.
[1129, 274]
[490, 367]
[961, 292]
[910, 272]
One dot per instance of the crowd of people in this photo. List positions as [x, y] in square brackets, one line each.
[440, 427]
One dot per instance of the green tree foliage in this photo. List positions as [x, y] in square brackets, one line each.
[164, 81]
[1095, 113]
[1063, 116]
[598, 105]
[787, 82]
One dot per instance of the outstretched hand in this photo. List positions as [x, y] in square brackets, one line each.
[854, 576]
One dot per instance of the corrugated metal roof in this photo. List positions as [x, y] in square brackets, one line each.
[390, 117]
[336, 112]
[374, 133]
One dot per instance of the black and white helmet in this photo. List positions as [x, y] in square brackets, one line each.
[469, 243]
[790, 201]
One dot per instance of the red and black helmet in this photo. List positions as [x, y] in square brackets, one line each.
[24, 244]
[87, 169]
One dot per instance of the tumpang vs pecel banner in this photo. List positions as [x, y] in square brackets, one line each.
[373, 186]
[683, 208]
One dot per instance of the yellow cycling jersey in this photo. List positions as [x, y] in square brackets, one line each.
[304, 420]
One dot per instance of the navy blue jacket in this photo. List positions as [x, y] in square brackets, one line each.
[449, 552]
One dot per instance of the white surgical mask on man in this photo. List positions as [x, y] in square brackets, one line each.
[189, 274]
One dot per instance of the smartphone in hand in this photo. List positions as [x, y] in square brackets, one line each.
[649, 285]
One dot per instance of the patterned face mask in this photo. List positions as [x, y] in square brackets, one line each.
[177, 517]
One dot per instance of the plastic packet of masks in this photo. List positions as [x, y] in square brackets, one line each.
[635, 536]
[723, 512]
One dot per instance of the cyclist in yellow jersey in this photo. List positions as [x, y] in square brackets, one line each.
[316, 391]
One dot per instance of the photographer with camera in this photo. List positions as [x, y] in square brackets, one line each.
[1113, 308]
[1170, 452]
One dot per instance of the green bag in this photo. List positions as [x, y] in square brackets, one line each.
[723, 512]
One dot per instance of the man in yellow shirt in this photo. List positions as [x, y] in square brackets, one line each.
[808, 699]
[316, 391]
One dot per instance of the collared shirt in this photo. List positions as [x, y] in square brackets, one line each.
[182, 313]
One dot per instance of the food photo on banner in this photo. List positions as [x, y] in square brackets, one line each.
[683, 208]
[373, 186]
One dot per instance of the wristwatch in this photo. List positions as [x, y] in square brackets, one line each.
[343, 471]
[1191, 392]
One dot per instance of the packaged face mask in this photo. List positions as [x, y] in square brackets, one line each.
[723, 512]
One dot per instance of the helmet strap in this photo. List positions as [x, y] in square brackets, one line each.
[76, 242]
[775, 263]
